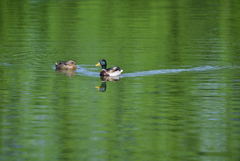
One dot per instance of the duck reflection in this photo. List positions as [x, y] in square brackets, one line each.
[68, 73]
[104, 80]
[102, 87]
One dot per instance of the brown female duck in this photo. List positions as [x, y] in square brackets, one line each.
[66, 65]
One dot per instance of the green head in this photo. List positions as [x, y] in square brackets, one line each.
[102, 63]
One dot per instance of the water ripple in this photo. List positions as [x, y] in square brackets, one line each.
[84, 71]
[169, 71]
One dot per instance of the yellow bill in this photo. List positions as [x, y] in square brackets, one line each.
[98, 64]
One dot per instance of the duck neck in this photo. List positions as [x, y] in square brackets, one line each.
[104, 66]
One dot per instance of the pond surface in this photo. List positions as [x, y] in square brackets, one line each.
[178, 99]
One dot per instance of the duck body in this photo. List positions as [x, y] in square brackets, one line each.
[114, 71]
[109, 78]
[66, 65]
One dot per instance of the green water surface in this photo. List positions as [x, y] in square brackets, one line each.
[178, 99]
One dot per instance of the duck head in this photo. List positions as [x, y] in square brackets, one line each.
[102, 63]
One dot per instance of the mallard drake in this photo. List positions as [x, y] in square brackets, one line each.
[109, 78]
[114, 71]
[66, 65]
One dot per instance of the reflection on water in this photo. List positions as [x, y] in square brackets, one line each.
[104, 80]
[102, 87]
[69, 73]
[177, 99]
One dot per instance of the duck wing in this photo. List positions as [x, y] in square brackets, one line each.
[113, 69]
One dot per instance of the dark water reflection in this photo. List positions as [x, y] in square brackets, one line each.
[178, 98]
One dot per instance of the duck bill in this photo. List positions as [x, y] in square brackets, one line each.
[98, 64]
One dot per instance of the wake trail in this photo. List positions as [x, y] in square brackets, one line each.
[169, 71]
[84, 71]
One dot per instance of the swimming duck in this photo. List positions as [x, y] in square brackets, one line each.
[114, 71]
[66, 65]
[109, 78]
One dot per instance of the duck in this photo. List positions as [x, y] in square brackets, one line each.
[114, 71]
[109, 78]
[66, 65]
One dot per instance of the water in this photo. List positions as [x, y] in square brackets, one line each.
[178, 98]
